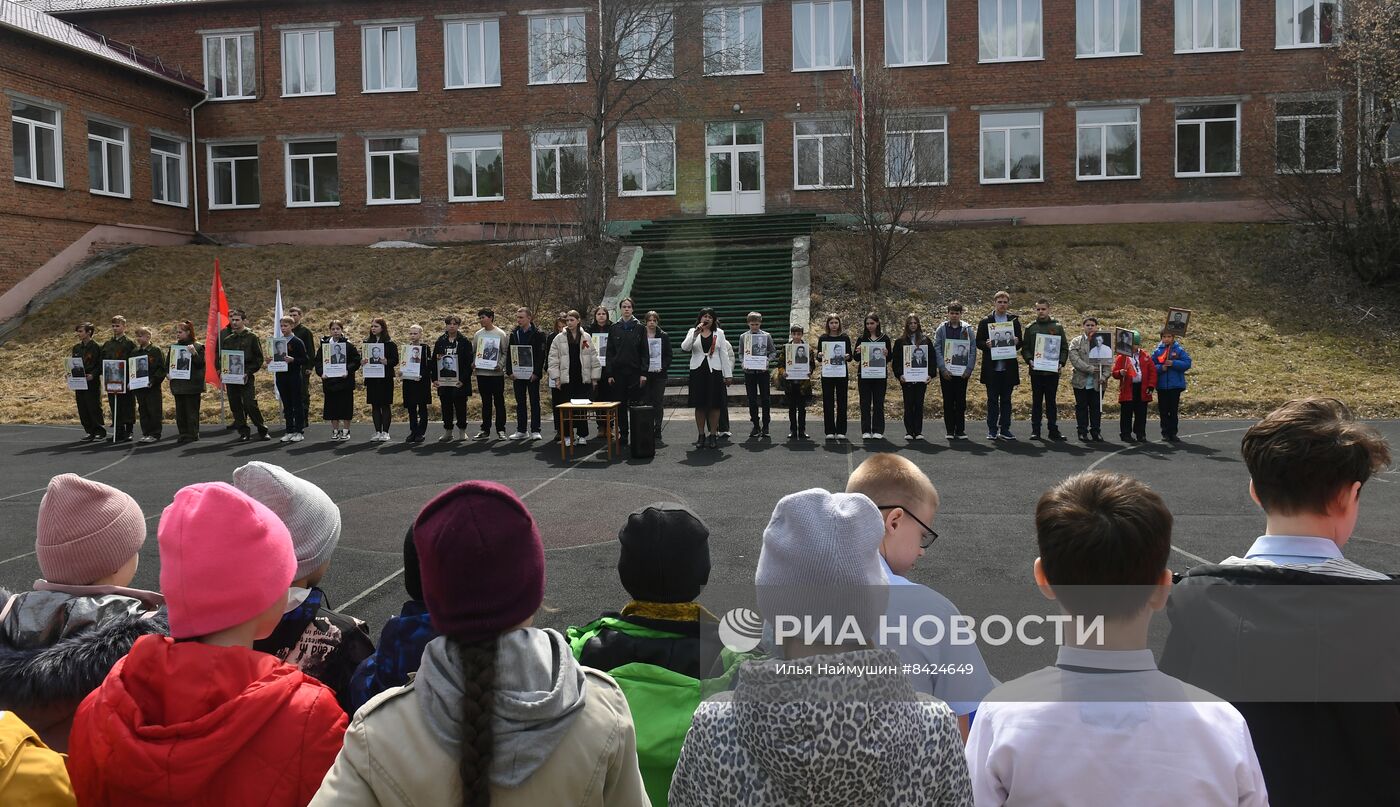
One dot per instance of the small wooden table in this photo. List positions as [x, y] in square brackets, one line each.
[607, 424]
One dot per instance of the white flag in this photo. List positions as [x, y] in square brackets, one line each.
[277, 327]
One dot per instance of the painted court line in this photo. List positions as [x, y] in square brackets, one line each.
[123, 458]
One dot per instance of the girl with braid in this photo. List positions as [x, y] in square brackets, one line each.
[500, 713]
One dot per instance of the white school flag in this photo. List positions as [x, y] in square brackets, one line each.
[277, 329]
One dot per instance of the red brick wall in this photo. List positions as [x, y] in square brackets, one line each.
[37, 222]
[1256, 72]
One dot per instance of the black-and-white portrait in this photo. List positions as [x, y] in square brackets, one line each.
[1123, 341]
[920, 357]
[1099, 346]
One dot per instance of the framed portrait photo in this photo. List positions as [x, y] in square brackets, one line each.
[1177, 320]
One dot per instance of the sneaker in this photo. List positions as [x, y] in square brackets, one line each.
[1097, 437]
[446, 437]
[482, 436]
[1035, 435]
[803, 436]
[713, 442]
[831, 437]
[792, 434]
[757, 431]
[461, 435]
[701, 442]
[961, 435]
[298, 437]
[287, 438]
[581, 441]
[536, 436]
[1083, 437]
[726, 435]
[264, 435]
[865, 435]
[245, 438]
[87, 438]
[1173, 439]
[878, 435]
[147, 439]
[568, 441]
[1056, 435]
[518, 435]
[765, 430]
[950, 436]
[991, 435]
[1008, 436]
[500, 434]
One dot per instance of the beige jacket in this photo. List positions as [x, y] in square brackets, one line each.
[392, 758]
[559, 359]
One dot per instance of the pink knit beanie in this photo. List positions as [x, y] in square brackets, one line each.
[87, 530]
[224, 559]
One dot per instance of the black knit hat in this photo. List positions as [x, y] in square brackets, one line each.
[665, 554]
[412, 578]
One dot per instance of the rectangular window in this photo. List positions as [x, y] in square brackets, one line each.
[308, 62]
[473, 50]
[821, 34]
[1306, 23]
[1012, 147]
[1009, 30]
[559, 163]
[313, 174]
[36, 140]
[916, 150]
[1108, 143]
[1207, 25]
[230, 68]
[475, 171]
[1307, 137]
[646, 161]
[916, 32]
[233, 176]
[1107, 28]
[391, 58]
[1207, 140]
[733, 40]
[822, 153]
[558, 49]
[109, 170]
[646, 43]
[168, 171]
[392, 165]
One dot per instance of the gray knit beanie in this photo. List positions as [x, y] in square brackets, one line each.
[310, 515]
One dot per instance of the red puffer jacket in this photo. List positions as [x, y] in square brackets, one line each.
[1122, 370]
[189, 723]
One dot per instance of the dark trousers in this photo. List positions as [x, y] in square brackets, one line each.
[954, 403]
[149, 405]
[558, 396]
[293, 397]
[243, 402]
[454, 407]
[1169, 410]
[1088, 411]
[187, 415]
[123, 409]
[834, 405]
[914, 392]
[797, 408]
[626, 391]
[656, 399]
[872, 405]
[527, 392]
[305, 398]
[493, 401]
[760, 396]
[571, 391]
[90, 410]
[1043, 389]
[999, 389]
[417, 418]
[1134, 416]
[382, 415]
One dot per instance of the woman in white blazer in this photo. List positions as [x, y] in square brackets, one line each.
[711, 368]
[573, 369]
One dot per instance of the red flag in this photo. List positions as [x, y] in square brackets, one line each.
[218, 319]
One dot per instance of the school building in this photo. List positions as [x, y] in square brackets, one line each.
[308, 121]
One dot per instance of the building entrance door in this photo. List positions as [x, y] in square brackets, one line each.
[734, 168]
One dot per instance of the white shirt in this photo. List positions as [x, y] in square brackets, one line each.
[1123, 733]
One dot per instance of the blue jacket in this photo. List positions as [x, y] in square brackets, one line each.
[401, 644]
[1171, 373]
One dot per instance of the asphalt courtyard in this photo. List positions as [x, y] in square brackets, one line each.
[982, 559]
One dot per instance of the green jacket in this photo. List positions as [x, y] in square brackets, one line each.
[119, 347]
[662, 701]
[1054, 328]
[157, 363]
[249, 343]
[91, 354]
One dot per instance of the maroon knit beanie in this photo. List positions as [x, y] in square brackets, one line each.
[482, 562]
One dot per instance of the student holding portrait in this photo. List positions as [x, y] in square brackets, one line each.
[1000, 376]
[527, 390]
[954, 370]
[148, 399]
[89, 401]
[912, 339]
[338, 391]
[1087, 380]
[308, 341]
[871, 391]
[288, 383]
[573, 373]
[122, 407]
[453, 380]
[417, 392]
[656, 378]
[1044, 383]
[834, 388]
[1172, 362]
[243, 398]
[379, 391]
[489, 342]
[1137, 378]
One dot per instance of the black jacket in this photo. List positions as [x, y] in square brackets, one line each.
[627, 351]
[420, 391]
[466, 355]
[381, 390]
[1013, 367]
[91, 354]
[297, 362]
[352, 365]
[307, 340]
[535, 338]
[1289, 659]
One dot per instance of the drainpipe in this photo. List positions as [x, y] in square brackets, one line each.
[602, 119]
[864, 158]
[194, 166]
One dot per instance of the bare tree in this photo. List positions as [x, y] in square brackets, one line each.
[1345, 180]
[889, 160]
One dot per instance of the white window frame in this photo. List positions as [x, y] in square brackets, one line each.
[664, 34]
[209, 175]
[983, 129]
[473, 34]
[289, 158]
[911, 131]
[646, 137]
[371, 153]
[1286, 29]
[452, 151]
[559, 72]
[1103, 128]
[1196, 47]
[124, 145]
[1118, 13]
[34, 125]
[1019, 57]
[1201, 123]
[720, 15]
[849, 134]
[1336, 118]
[320, 36]
[166, 157]
[536, 148]
[833, 44]
[244, 93]
[903, 26]
[401, 30]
